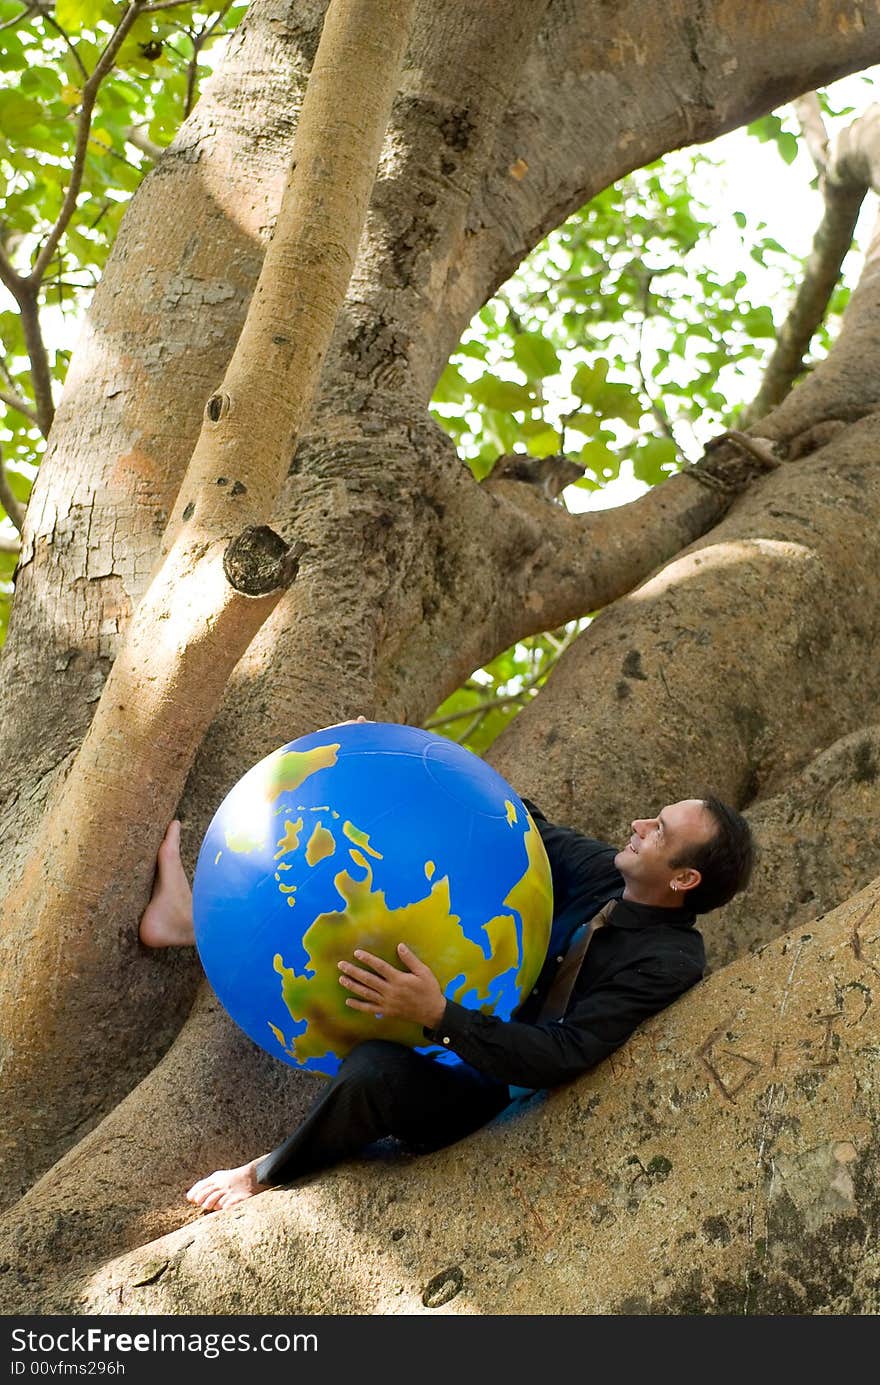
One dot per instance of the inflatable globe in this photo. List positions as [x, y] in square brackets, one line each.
[367, 835]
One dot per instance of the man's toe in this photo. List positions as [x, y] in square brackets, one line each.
[203, 1189]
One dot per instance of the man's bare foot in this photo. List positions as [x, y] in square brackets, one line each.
[227, 1188]
[168, 918]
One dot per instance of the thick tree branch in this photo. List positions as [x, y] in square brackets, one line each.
[834, 802]
[768, 55]
[582, 562]
[746, 1102]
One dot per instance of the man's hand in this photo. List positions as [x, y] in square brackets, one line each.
[386, 991]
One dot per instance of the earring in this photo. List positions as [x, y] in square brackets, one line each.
[673, 886]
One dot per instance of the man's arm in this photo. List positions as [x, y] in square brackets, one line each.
[525, 1055]
[541, 1055]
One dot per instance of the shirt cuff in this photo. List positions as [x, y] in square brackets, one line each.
[453, 1022]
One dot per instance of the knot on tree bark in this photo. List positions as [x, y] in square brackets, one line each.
[732, 461]
[258, 561]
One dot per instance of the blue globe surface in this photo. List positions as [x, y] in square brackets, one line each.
[367, 835]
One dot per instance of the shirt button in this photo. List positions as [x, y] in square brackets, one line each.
[446, 1039]
[560, 959]
[535, 991]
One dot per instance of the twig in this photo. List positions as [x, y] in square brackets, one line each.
[89, 94]
[17, 18]
[461, 736]
[8, 275]
[134, 134]
[13, 507]
[41, 377]
[655, 406]
[198, 42]
[481, 707]
[529, 684]
[15, 401]
[50, 19]
[515, 320]
[166, 5]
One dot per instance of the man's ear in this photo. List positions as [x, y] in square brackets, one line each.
[687, 878]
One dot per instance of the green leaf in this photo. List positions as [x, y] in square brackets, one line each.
[500, 431]
[589, 380]
[546, 443]
[766, 128]
[482, 465]
[477, 350]
[8, 563]
[596, 456]
[652, 458]
[74, 15]
[787, 145]
[619, 401]
[535, 355]
[759, 322]
[19, 484]
[588, 424]
[17, 113]
[501, 394]
[451, 388]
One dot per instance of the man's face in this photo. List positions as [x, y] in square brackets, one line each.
[645, 861]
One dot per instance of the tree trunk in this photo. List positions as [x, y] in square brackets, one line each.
[506, 119]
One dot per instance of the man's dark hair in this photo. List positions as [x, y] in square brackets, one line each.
[725, 861]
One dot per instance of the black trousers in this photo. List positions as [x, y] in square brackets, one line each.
[381, 1089]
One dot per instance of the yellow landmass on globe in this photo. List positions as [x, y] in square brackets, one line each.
[248, 829]
[431, 929]
[321, 844]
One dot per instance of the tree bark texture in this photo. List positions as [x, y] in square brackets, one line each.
[734, 653]
[722, 1162]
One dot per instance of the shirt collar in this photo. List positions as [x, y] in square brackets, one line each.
[629, 914]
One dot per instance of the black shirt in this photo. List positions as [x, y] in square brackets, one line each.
[639, 963]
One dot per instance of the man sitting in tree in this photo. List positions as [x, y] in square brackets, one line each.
[690, 858]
